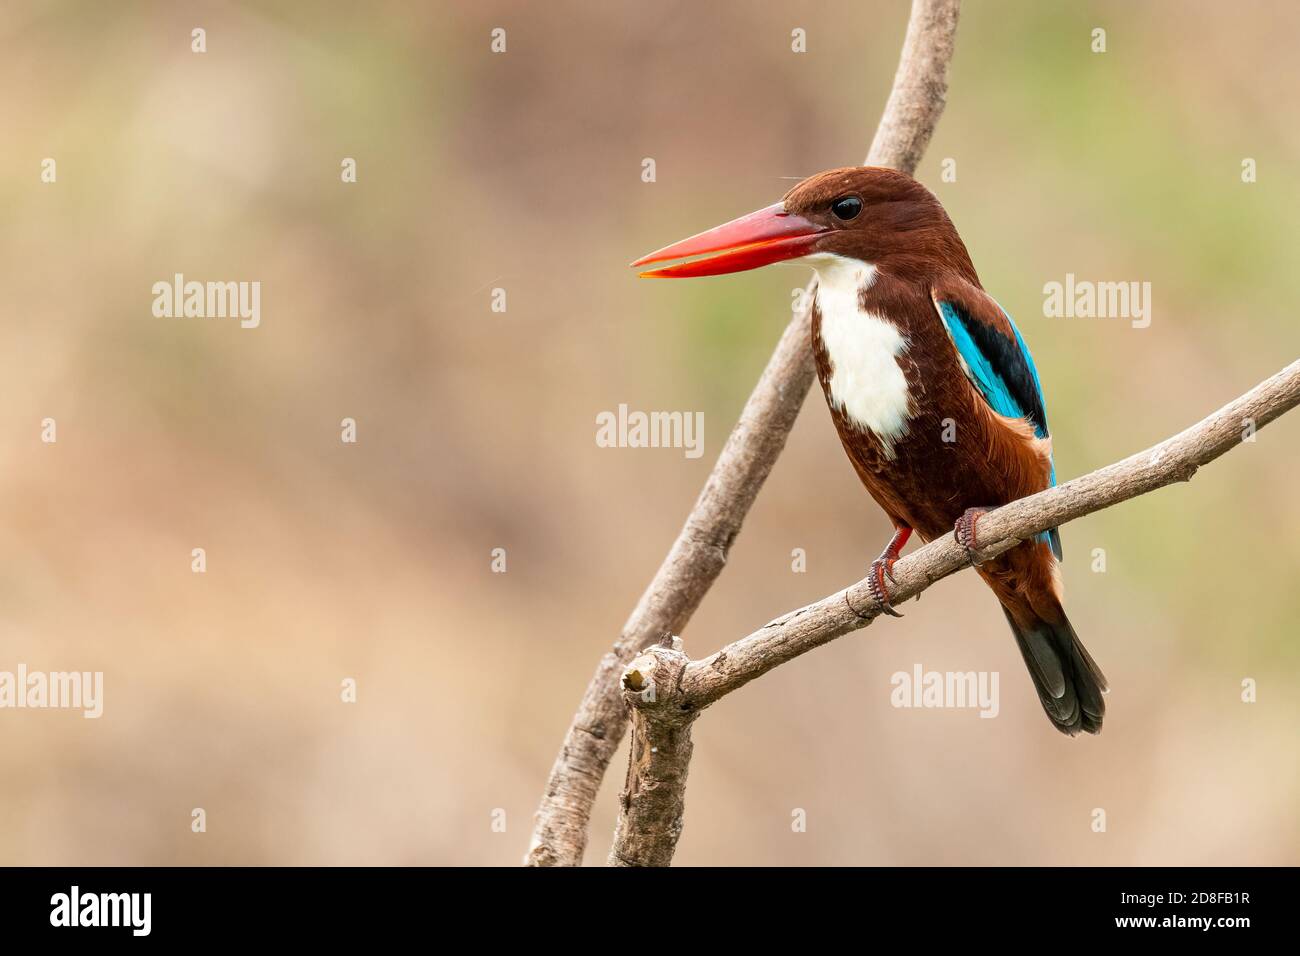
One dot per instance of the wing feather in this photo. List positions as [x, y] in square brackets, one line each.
[998, 363]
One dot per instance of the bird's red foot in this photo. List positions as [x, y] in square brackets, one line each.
[964, 531]
[882, 569]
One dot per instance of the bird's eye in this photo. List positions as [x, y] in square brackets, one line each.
[846, 207]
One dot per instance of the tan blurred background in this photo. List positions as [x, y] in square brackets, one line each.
[477, 429]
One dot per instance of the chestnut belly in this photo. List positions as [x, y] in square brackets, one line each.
[948, 460]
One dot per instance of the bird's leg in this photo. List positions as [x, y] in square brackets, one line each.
[964, 531]
[883, 568]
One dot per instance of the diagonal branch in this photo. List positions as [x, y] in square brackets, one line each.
[667, 691]
[1176, 459]
[700, 551]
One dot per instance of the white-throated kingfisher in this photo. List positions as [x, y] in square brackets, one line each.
[931, 387]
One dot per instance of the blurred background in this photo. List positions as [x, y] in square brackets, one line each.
[476, 429]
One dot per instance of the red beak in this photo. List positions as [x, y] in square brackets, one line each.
[759, 239]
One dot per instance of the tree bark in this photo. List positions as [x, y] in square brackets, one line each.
[686, 687]
[700, 552]
[653, 800]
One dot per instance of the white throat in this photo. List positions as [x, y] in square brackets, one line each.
[866, 383]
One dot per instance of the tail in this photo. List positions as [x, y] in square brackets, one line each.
[1068, 680]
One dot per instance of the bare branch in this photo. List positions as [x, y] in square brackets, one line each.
[700, 551]
[694, 563]
[650, 817]
[705, 681]
[643, 838]
[920, 88]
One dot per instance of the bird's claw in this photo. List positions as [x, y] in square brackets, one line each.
[881, 569]
[964, 532]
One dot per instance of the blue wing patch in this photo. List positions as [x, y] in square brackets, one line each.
[1003, 371]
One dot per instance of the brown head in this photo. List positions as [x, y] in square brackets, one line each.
[869, 213]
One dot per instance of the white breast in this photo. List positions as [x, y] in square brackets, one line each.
[866, 383]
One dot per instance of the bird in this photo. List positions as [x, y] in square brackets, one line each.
[933, 392]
